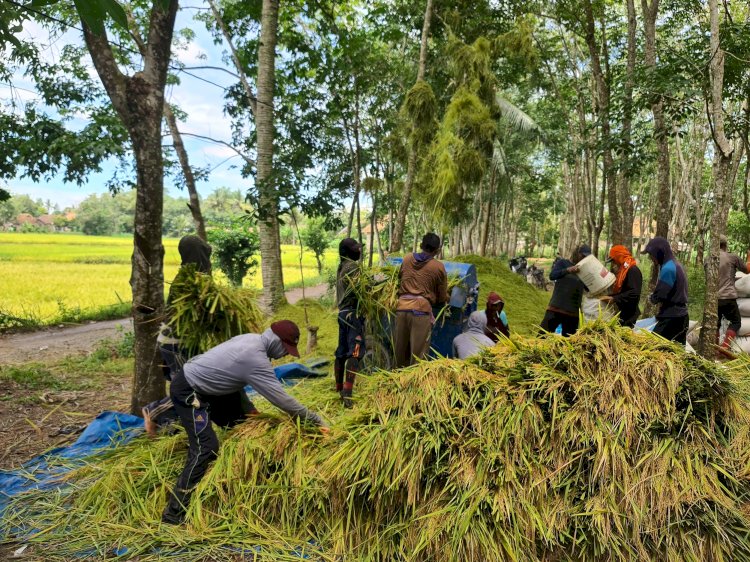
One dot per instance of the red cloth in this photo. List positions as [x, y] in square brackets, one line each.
[622, 257]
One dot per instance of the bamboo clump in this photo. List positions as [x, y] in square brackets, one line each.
[607, 445]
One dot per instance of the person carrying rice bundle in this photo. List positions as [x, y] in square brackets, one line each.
[351, 344]
[670, 293]
[626, 291]
[196, 259]
[423, 284]
[210, 388]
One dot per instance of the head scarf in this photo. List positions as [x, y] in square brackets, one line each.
[193, 250]
[622, 257]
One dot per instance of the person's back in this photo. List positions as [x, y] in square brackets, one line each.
[473, 340]
[670, 293]
[729, 265]
[568, 291]
[423, 283]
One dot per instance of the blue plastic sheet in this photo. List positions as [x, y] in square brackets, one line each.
[108, 430]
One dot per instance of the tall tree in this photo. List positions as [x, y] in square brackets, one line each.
[411, 170]
[722, 181]
[138, 99]
[268, 224]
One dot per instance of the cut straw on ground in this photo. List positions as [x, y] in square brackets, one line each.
[607, 445]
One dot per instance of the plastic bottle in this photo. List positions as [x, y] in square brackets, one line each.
[558, 330]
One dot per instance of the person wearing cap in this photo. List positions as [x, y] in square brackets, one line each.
[351, 345]
[567, 295]
[495, 319]
[670, 293]
[474, 339]
[209, 388]
[729, 265]
[423, 284]
[626, 291]
[196, 260]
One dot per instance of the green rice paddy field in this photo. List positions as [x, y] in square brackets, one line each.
[45, 276]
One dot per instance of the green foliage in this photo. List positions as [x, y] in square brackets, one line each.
[317, 239]
[738, 232]
[420, 108]
[235, 246]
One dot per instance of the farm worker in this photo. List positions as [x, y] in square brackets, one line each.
[626, 291]
[495, 319]
[729, 265]
[567, 295]
[423, 284]
[209, 388]
[351, 346]
[670, 293]
[474, 339]
[196, 258]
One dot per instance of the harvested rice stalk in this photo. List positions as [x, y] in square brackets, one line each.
[205, 313]
[607, 445]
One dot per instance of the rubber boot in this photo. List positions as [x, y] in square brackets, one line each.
[352, 367]
[725, 348]
[338, 373]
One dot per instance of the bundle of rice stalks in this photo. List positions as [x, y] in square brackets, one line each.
[607, 445]
[204, 313]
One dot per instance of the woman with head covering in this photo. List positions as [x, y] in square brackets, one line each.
[670, 293]
[626, 291]
[474, 339]
[495, 318]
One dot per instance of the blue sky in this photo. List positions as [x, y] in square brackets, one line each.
[202, 102]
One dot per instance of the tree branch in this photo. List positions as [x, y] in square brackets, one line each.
[217, 141]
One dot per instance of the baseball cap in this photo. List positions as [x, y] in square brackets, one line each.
[288, 333]
[494, 298]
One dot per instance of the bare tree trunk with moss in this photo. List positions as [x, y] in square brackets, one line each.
[722, 187]
[139, 103]
[411, 167]
[624, 196]
[268, 224]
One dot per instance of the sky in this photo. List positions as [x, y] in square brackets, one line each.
[202, 102]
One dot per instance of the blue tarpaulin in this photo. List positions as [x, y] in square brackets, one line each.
[106, 431]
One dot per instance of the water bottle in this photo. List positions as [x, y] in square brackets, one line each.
[558, 330]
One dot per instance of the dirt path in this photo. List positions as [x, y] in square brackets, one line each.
[54, 343]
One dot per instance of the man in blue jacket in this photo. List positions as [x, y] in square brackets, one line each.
[670, 293]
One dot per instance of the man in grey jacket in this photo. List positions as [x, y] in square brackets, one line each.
[209, 388]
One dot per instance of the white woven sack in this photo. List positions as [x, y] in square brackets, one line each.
[593, 307]
[741, 344]
[744, 306]
[742, 284]
[744, 327]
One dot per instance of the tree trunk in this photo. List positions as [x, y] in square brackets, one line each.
[601, 106]
[187, 172]
[411, 168]
[139, 102]
[624, 196]
[268, 224]
[722, 187]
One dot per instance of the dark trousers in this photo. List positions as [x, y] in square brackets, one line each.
[553, 319]
[196, 412]
[673, 329]
[173, 358]
[350, 350]
[728, 309]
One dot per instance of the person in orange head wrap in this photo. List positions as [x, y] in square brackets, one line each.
[626, 292]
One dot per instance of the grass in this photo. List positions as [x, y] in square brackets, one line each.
[605, 445]
[524, 305]
[56, 278]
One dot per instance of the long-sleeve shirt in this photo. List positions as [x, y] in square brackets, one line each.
[629, 296]
[729, 265]
[241, 361]
[346, 298]
[423, 283]
[568, 292]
